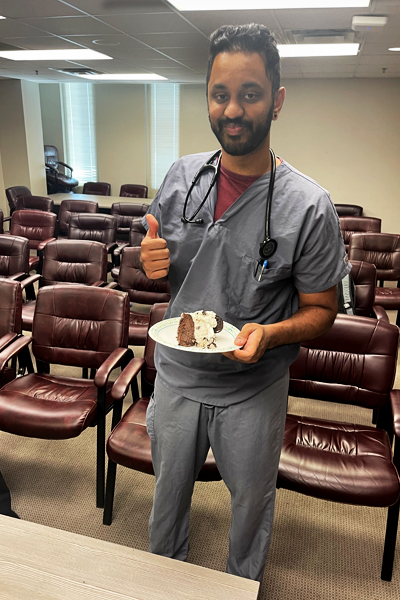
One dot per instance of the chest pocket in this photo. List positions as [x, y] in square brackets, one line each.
[253, 300]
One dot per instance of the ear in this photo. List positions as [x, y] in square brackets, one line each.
[278, 102]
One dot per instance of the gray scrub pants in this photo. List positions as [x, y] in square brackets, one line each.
[246, 440]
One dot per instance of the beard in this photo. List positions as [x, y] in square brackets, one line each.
[232, 144]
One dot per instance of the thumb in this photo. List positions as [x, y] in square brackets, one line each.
[153, 227]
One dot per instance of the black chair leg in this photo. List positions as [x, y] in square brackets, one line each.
[110, 488]
[398, 318]
[85, 373]
[375, 414]
[390, 541]
[101, 442]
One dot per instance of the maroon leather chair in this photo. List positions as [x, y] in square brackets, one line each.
[136, 234]
[35, 203]
[382, 250]
[97, 188]
[100, 228]
[364, 277]
[141, 290]
[57, 181]
[349, 225]
[125, 212]
[72, 207]
[129, 190]
[129, 444]
[10, 324]
[78, 326]
[14, 257]
[13, 193]
[70, 262]
[354, 364]
[38, 227]
[349, 210]
[1, 221]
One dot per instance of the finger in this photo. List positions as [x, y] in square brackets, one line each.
[152, 222]
[157, 274]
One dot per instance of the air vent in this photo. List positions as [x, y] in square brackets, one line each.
[320, 36]
[79, 71]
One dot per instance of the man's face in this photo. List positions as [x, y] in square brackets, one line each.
[240, 105]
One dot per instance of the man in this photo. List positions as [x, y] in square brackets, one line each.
[236, 402]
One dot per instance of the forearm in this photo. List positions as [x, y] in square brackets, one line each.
[306, 324]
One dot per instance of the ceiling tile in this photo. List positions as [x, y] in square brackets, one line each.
[116, 7]
[149, 23]
[324, 18]
[11, 28]
[173, 40]
[70, 25]
[42, 43]
[208, 22]
[18, 9]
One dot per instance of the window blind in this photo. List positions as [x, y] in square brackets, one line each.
[79, 130]
[164, 122]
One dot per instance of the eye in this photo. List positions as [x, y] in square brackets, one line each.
[220, 97]
[251, 96]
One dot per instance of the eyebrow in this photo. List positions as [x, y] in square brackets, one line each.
[246, 86]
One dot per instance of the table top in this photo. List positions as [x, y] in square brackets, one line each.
[105, 201]
[50, 564]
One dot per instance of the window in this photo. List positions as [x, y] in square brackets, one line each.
[79, 130]
[164, 125]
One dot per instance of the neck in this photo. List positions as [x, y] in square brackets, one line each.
[255, 163]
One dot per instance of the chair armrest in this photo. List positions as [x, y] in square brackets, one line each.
[99, 283]
[380, 312]
[111, 247]
[30, 280]
[113, 361]
[395, 402]
[7, 339]
[60, 162]
[13, 349]
[119, 249]
[51, 168]
[121, 384]
[17, 276]
[42, 244]
[113, 285]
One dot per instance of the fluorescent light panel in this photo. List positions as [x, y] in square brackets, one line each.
[394, 49]
[2, 17]
[126, 77]
[190, 5]
[78, 54]
[306, 50]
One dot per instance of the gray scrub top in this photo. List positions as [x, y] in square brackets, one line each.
[213, 265]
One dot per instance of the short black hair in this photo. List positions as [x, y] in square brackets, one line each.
[247, 38]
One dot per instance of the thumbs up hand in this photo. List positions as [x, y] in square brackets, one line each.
[154, 252]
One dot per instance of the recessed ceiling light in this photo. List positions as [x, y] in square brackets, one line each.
[305, 50]
[2, 17]
[394, 49]
[125, 77]
[189, 5]
[79, 54]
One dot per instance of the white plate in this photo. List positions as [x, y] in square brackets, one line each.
[165, 332]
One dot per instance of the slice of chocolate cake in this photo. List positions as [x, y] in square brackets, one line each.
[199, 329]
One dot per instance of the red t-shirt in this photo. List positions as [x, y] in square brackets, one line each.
[229, 187]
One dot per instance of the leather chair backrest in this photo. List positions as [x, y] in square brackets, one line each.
[380, 249]
[349, 210]
[35, 203]
[131, 279]
[13, 193]
[354, 363]
[11, 306]
[136, 233]
[79, 325]
[69, 207]
[35, 225]
[74, 261]
[100, 228]
[51, 156]
[1, 221]
[364, 277]
[130, 190]
[149, 370]
[97, 188]
[14, 255]
[124, 212]
[349, 225]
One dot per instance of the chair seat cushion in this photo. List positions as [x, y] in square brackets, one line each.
[338, 461]
[129, 444]
[138, 325]
[389, 298]
[48, 407]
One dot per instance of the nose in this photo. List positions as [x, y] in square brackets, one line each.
[234, 109]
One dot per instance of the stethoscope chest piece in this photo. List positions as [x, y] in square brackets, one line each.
[268, 248]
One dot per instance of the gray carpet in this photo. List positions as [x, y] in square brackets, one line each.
[320, 550]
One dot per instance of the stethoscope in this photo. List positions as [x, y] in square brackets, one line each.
[268, 246]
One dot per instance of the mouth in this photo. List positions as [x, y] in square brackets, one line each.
[233, 129]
